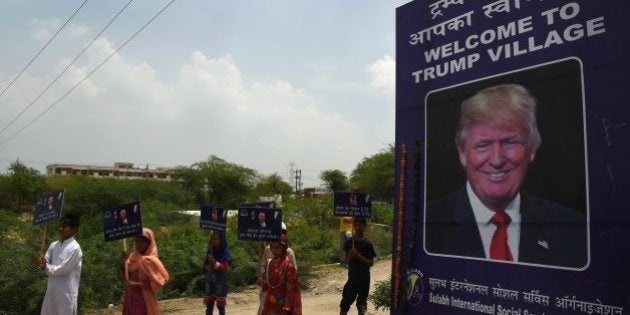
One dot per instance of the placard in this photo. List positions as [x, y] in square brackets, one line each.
[213, 218]
[353, 204]
[48, 207]
[122, 221]
[259, 224]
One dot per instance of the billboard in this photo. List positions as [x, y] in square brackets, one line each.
[510, 172]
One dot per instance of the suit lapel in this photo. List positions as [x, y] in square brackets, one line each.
[467, 233]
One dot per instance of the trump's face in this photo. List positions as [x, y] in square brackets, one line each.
[496, 159]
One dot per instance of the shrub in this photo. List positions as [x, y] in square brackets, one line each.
[381, 237]
[382, 212]
[381, 295]
[22, 285]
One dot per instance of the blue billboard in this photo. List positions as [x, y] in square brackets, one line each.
[511, 172]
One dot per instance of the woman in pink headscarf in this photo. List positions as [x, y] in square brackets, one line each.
[146, 276]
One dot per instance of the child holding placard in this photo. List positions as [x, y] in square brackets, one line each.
[217, 264]
[62, 264]
[359, 257]
[146, 276]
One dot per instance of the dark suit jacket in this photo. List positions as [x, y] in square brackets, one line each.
[551, 234]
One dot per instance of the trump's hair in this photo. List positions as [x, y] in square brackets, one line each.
[507, 104]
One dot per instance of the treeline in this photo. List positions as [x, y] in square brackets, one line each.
[311, 225]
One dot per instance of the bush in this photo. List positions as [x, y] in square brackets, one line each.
[314, 212]
[100, 279]
[22, 285]
[381, 237]
[92, 195]
[382, 212]
[381, 296]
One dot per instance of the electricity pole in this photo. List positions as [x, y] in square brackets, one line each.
[298, 181]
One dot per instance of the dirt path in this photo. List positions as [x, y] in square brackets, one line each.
[322, 299]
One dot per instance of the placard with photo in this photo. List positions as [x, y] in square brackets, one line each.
[122, 221]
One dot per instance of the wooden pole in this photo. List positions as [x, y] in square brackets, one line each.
[352, 229]
[261, 263]
[124, 245]
[41, 247]
[210, 244]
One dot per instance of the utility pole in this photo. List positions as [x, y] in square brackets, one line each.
[291, 172]
[298, 181]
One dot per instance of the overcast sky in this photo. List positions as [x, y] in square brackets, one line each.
[259, 83]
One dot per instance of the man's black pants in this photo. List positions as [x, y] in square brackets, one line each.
[355, 289]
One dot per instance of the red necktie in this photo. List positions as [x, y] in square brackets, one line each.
[499, 249]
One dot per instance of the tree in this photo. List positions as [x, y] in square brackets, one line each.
[375, 175]
[193, 181]
[217, 181]
[272, 185]
[24, 184]
[335, 180]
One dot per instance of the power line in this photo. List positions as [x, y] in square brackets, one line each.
[41, 50]
[88, 75]
[66, 69]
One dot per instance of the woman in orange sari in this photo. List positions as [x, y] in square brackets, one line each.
[146, 276]
[280, 283]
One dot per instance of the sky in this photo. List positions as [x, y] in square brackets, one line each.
[263, 84]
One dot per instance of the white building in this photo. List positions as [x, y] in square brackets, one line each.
[121, 170]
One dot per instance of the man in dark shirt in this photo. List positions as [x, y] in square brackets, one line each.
[359, 257]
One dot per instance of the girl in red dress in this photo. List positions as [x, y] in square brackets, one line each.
[280, 282]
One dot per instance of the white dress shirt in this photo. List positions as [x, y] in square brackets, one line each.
[486, 228]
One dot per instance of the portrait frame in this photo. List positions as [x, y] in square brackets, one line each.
[559, 172]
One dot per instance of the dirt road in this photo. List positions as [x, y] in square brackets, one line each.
[322, 299]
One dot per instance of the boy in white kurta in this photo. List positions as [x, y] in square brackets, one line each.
[62, 264]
